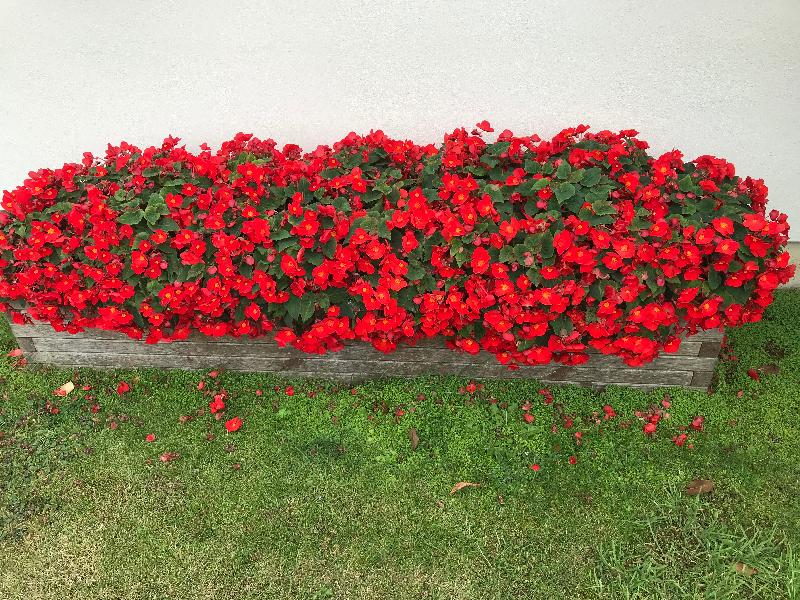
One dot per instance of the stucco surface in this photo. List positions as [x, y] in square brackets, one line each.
[715, 77]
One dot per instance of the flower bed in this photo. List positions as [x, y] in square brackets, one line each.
[691, 366]
[535, 251]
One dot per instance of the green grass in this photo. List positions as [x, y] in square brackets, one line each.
[324, 497]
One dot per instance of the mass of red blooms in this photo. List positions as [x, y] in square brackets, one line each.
[533, 250]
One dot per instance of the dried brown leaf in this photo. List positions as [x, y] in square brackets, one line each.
[168, 456]
[700, 486]
[414, 437]
[64, 389]
[744, 569]
[463, 484]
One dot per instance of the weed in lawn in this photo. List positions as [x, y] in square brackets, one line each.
[683, 548]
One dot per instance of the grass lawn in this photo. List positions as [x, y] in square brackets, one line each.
[322, 494]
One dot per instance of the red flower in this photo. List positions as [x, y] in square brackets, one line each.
[139, 262]
[480, 260]
[290, 267]
[217, 404]
[123, 387]
[256, 230]
[509, 229]
[234, 424]
[630, 181]
[754, 222]
[289, 391]
[708, 186]
[150, 437]
[562, 241]
[252, 311]
[284, 337]
[535, 467]
[723, 225]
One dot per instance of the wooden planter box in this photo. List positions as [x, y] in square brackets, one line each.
[691, 367]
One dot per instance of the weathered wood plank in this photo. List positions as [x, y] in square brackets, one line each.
[693, 366]
[712, 335]
[702, 379]
[359, 352]
[27, 344]
[319, 365]
[346, 369]
[330, 365]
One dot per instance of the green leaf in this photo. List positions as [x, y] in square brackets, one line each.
[591, 177]
[540, 184]
[597, 193]
[383, 230]
[329, 248]
[564, 191]
[532, 167]
[460, 256]
[686, 184]
[576, 176]
[133, 217]
[714, 278]
[196, 271]
[507, 254]
[526, 189]
[706, 205]
[60, 207]
[415, 272]
[314, 258]
[279, 234]
[562, 326]
[307, 307]
[293, 307]
[603, 207]
[596, 290]
[284, 244]
[547, 245]
[564, 170]
[168, 224]
[152, 214]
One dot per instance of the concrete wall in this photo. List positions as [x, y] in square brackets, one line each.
[794, 251]
[717, 77]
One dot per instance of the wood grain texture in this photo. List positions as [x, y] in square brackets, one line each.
[692, 366]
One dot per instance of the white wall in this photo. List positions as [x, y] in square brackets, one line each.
[717, 76]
